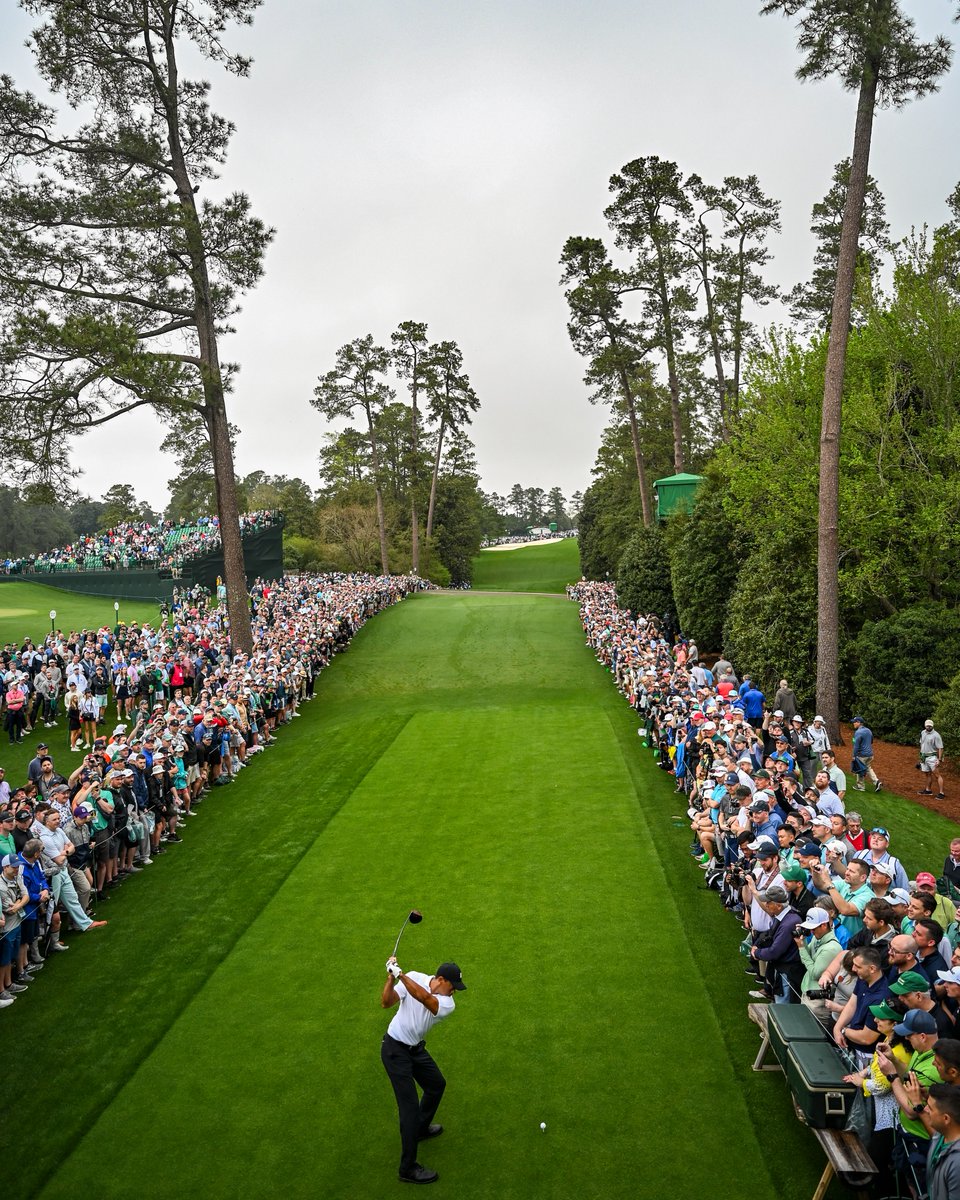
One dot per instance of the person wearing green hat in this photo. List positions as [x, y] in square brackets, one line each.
[913, 988]
[920, 1030]
[795, 881]
[875, 1083]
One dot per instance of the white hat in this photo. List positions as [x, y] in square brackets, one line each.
[820, 719]
[778, 712]
[815, 917]
[951, 976]
[898, 896]
[928, 724]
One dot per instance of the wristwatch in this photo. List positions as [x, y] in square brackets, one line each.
[919, 1108]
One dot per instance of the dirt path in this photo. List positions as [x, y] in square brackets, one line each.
[896, 768]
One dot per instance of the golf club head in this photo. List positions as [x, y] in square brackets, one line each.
[414, 917]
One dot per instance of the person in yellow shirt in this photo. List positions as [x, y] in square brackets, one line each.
[874, 1082]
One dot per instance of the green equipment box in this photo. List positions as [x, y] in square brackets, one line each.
[815, 1074]
[788, 1023]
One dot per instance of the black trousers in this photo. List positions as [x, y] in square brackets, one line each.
[408, 1066]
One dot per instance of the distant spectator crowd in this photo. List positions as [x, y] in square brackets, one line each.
[156, 717]
[831, 917]
[522, 539]
[135, 544]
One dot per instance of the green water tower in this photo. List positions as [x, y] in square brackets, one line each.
[675, 492]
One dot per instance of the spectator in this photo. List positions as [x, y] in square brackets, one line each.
[931, 759]
[878, 851]
[920, 1029]
[903, 957]
[850, 894]
[951, 864]
[857, 1026]
[863, 755]
[838, 781]
[14, 898]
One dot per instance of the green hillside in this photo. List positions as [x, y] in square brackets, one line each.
[533, 568]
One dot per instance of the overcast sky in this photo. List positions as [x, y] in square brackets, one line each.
[425, 160]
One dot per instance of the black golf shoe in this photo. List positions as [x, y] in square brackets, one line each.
[431, 1131]
[418, 1174]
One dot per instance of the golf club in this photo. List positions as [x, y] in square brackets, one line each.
[414, 917]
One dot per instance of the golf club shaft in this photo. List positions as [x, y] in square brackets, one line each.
[399, 936]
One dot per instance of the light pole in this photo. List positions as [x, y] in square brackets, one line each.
[53, 617]
[116, 610]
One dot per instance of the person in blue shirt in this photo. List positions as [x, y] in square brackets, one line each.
[753, 705]
[863, 756]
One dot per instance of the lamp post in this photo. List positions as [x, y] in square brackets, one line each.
[53, 617]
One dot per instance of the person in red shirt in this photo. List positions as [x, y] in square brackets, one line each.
[855, 835]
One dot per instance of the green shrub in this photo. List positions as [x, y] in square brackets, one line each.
[904, 663]
[771, 627]
[643, 574]
[703, 566]
[946, 718]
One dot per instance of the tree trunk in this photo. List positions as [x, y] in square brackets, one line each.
[433, 482]
[645, 504]
[672, 379]
[414, 477]
[714, 340]
[234, 573]
[828, 540]
[231, 539]
[381, 519]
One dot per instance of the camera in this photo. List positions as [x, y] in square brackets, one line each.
[824, 993]
[736, 877]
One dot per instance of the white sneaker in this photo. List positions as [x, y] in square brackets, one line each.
[6, 999]
[145, 862]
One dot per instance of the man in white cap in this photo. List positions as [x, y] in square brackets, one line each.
[931, 759]
[819, 946]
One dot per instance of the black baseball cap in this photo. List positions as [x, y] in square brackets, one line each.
[451, 973]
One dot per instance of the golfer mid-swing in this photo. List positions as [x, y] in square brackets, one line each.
[424, 1000]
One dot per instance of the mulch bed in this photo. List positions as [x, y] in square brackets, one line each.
[896, 768]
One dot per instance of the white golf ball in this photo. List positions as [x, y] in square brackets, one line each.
[543, 1126]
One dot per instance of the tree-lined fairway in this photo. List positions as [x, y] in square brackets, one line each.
[467, 757]
[533, 568]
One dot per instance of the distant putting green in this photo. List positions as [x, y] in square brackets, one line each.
[467, 757]
[25, 611]
[533, 568]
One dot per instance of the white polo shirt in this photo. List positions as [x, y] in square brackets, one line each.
[413, 1021]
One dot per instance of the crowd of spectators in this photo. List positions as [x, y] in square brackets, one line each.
[523, 538]
[191, 713]
[135, 544]
[830, 916]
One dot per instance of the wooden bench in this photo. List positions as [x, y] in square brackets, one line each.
[847, 1157]
[759, 1014]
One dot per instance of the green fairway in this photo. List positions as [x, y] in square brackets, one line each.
[533, 568]
[25, 611]
[467, 757]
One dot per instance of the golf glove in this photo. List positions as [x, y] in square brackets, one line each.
[394, 968]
